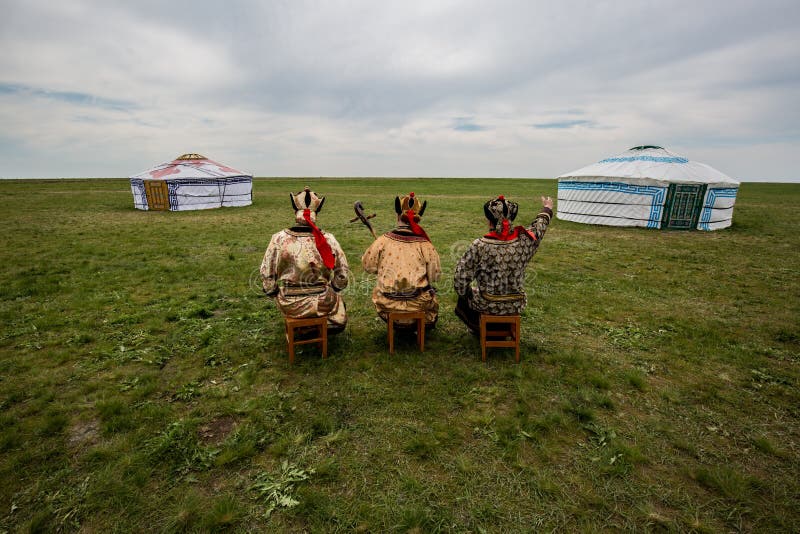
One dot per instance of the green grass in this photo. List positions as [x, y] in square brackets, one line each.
[145, 385]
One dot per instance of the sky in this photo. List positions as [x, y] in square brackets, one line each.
[389, 88]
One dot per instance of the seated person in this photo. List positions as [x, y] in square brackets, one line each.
[406, 264]
[304, 268]
[496, 263]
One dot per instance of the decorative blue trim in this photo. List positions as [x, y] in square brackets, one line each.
[656, 159]
[711, 198]
[657, 195]
[138, 183]
[172, 188]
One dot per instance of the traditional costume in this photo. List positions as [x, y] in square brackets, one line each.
[406, 264]
[496, 263]
[304, 268]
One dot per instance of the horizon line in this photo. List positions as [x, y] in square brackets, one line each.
[367, 177]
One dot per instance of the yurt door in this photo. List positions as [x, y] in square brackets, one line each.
[683, 206]
[157, 194]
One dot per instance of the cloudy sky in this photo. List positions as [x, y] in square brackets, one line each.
[397, 88]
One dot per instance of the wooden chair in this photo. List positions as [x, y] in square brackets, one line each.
[499, 338]
[417, 317]
[319, 332]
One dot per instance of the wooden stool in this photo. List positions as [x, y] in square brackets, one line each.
[418, 317]
[319, 324]
[511, 329]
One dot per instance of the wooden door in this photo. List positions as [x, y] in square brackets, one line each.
[157, 195]
[683, 206]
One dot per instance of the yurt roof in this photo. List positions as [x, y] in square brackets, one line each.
[648, 164]
[189, 166]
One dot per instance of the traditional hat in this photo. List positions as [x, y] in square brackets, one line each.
[409, 202]
[501, 213]
[498, 209]
[306, 205]
[410, 211]
[306, 200]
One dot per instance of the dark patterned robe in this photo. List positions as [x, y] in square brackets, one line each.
[497, 269]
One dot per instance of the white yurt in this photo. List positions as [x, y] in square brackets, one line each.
[191, 182]
[648, 186]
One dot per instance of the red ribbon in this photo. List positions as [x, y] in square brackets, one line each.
[415, 228]
[507, 235]
[319, 240]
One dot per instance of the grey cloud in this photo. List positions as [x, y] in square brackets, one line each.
[562, 125]
[70, 97]
[466, 124]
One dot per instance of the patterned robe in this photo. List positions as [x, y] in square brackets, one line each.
[405, 265]
[293, 273]
[498, 270]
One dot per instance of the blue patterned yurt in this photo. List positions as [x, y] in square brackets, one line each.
[648, 186]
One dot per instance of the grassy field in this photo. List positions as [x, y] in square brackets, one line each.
[145, 385]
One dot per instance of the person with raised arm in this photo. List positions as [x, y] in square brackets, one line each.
[490, 276]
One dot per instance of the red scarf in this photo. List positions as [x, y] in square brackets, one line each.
[319, 240]
[415, 228]
[506, 234]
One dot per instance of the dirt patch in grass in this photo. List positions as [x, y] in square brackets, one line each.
[216, 431]
[84, 433]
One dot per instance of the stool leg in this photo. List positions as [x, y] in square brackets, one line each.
[516, 337]
[483, 340]
[290, 340]
[391, 335]
[324, 335]
[421, 334]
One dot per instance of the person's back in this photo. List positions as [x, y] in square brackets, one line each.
[304, 268]
[405, 264]
[496, 263]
